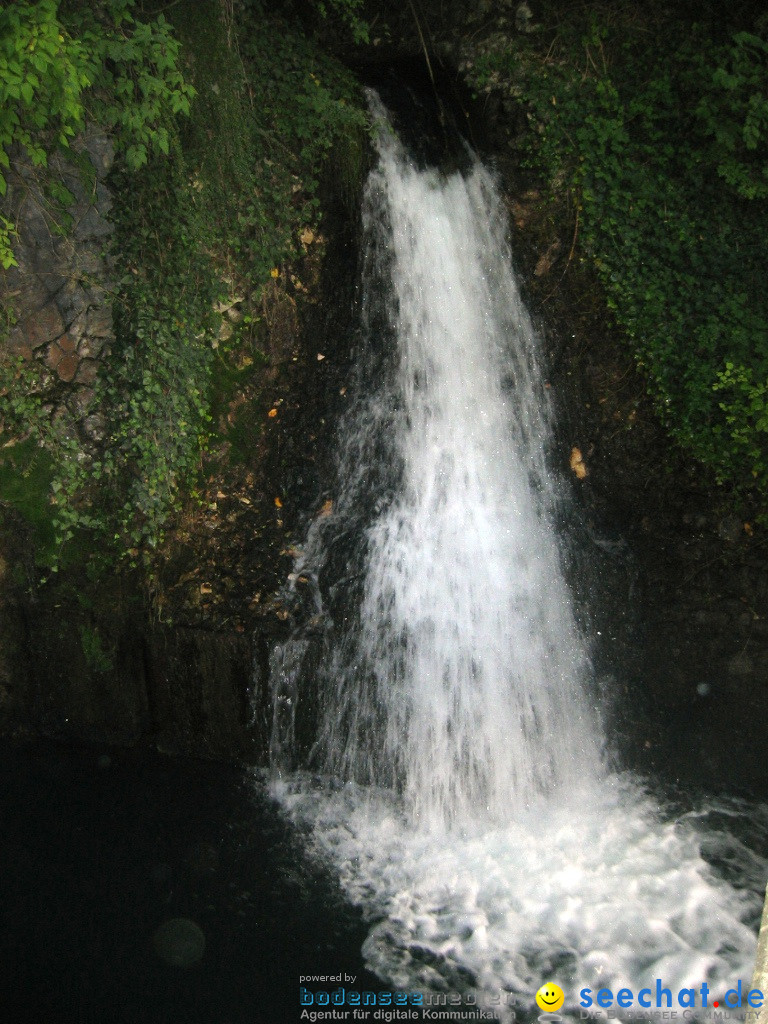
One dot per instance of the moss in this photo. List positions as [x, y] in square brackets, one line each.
[97, 656]
[236, 395]
[26, 471]
[348, 163]
[217, 139]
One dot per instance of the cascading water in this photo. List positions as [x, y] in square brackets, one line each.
[460, 789]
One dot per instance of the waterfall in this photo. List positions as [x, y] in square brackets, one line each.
[454, 771]
[462, 682]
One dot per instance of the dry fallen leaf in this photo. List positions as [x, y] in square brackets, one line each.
[577, 464]
[272, 413]
[326, 509]
[307, 236]
[278, 503]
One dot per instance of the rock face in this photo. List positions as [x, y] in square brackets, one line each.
[61, 292]
[180, 665]
[78, 669]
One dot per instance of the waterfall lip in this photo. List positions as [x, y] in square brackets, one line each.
[434, 117]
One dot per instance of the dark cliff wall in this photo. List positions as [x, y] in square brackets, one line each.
[60, 293]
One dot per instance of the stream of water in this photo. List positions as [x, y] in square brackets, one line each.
[437, 729]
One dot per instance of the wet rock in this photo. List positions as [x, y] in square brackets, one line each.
[35, 224]
[44, 326]
[99, 322]
[67, 368]
[53, 356]
[30, 291]
[100, 149]
[79, 404]
[90, 347]
[547, 258]
[87, 372]
[92, 226]
[59, 292]
[95, 427]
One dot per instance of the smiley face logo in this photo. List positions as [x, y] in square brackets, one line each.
[550, 997]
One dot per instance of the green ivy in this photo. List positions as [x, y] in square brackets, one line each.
[61, 62]
[733, 110]
[221, 197]
[273, 115]
[657, 128]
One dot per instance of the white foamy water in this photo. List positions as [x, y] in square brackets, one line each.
[597, 892]
[466, 805]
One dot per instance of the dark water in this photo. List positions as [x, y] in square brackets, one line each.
[97, 850]
[95, 856]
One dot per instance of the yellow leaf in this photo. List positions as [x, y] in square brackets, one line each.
[272, 413]
[274, 272]
[278, 503]
[577, 464]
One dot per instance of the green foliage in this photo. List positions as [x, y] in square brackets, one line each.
[662, 147]
[745, 404]
[96, 655]
[60, 63]
[26, 471]
[239, 184]
[7, 232]
[306, 107]
[733, 110]
[27, 443]
[349, 11]
[271, 114]
[153, 393]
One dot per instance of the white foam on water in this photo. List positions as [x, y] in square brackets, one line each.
[472, 815]
[599, 891]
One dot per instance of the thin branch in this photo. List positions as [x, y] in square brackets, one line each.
[423, 44]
